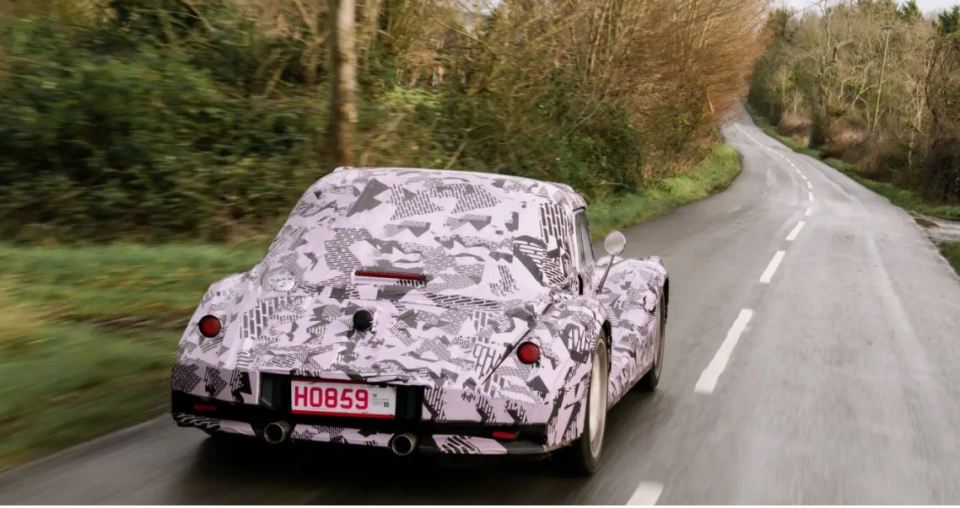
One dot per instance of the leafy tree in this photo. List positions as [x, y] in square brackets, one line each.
[948, 21]
[909, 11]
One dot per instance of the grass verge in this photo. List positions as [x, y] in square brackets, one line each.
[714, 173]
[951, 251]
[904, 198]
[88, 334]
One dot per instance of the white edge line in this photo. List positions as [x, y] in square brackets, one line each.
[710, 375]
[647, 494]
[772, 267]
[796, 231]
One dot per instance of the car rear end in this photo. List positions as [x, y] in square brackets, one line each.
[328, 412]
[390, 311]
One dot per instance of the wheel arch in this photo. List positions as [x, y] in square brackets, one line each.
[607, 332]
[666, 298]
[607, 329]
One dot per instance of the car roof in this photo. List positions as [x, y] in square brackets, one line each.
[550, 191]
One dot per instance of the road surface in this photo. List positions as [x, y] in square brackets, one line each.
[812, 357]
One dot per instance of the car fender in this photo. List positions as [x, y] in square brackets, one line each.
[633, 290]
[198, 368]
[566, 333]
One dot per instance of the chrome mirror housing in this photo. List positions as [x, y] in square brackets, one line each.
[614, 243]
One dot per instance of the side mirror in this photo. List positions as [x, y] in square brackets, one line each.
[614, 243]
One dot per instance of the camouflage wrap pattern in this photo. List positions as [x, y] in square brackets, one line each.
[215, 424]
[632, 293]
[339, 435]
[495, 253]
[445, 443]
[468, 445]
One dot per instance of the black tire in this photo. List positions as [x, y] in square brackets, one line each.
[582, 457]
[651, 379]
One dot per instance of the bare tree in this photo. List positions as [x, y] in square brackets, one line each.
[343, 64]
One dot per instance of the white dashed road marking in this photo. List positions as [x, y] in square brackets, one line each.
[646, 494]
[809, 211]
[796, 231]
[810, 196]
[772, 267]
[710, 375]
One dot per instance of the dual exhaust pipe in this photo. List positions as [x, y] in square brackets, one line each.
[279, 432]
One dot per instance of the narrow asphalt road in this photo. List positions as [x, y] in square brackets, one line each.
[812, 357]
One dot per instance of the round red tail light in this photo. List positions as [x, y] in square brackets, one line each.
[209, 326]
[528, 353]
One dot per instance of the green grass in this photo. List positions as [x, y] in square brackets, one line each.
[144, 285]
[87, 335]
[714, 173]
[951, 251]
[904, 198]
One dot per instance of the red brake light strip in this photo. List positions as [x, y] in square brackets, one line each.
[391, 275]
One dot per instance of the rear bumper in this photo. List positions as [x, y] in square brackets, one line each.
[456, 438]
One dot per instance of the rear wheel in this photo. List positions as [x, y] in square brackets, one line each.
[582, 457]
[651, 379]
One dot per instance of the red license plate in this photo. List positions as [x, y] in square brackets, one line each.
[334, 398]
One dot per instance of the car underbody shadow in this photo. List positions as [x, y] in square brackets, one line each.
[250, 471]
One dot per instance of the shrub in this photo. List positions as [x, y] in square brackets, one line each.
[144, 144]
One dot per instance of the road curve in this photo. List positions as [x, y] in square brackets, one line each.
[813, 363]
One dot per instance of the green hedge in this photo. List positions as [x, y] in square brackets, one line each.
[143, 145]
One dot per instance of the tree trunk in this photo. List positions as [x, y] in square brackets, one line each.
[343, 107]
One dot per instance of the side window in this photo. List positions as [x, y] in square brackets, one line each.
[587, 242]
[584, 245]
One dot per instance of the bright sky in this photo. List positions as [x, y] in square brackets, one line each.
[926, 6]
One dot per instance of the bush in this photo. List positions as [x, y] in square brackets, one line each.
[144, 145]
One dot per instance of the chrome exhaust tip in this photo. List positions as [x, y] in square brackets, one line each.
[276, 432]
[403, 444]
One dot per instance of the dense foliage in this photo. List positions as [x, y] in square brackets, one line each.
[157, 119]
[873, 82]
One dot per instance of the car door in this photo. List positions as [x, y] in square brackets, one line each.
[584, 253]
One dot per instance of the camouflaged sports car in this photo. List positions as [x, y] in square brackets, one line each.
[427, 311]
